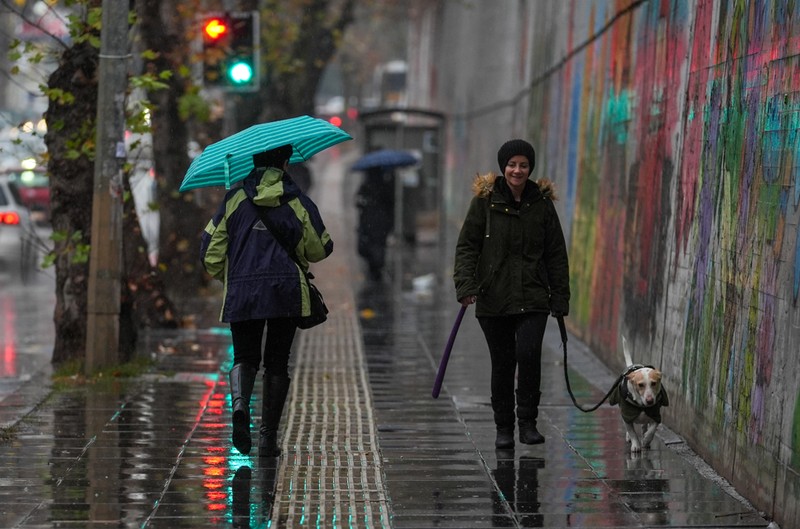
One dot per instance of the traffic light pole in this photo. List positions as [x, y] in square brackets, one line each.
[105, 264]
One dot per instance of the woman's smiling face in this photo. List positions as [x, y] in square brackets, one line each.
[517, 171]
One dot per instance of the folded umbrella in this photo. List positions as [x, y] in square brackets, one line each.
[437, 385]
[384, 158]
[231, 159]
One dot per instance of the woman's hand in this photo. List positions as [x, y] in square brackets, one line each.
[468, 300]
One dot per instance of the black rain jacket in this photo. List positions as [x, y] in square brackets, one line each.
[513, 259]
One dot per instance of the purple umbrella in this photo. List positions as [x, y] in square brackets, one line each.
[437, 385]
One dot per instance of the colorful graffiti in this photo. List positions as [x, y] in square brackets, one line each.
[672, 129]
[683, 161]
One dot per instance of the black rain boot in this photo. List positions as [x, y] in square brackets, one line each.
[242, 379]
[276, 388]
[504, 420]
[527, 412]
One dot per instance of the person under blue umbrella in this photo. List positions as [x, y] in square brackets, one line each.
[375, 203]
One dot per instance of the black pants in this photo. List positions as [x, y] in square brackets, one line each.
[515, 342]
[247, 337]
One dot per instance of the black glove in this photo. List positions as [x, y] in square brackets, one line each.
[556, 314]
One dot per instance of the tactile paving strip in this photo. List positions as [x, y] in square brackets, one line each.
[330, 473]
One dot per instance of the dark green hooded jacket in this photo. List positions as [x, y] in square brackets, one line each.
[513, 260]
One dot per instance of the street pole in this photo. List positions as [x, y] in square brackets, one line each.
[105, 264]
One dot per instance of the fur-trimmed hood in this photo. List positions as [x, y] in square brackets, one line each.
[483, 184]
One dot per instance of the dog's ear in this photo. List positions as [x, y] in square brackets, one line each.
[657, 375]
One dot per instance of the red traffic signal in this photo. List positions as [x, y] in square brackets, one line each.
[215, 28]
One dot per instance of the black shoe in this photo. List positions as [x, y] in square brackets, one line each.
[528, 434]
[505, 438]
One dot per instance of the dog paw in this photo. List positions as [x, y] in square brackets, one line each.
[635, 446]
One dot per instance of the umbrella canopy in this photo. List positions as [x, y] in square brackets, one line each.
[231, 160]
[385, 158]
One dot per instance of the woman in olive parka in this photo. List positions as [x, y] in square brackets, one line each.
[511, 261]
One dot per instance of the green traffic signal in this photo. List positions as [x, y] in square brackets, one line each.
[240, 72]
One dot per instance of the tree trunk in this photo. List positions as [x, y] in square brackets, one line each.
[71, 126]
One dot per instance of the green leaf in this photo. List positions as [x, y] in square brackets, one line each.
[49, 260]
[193, 105]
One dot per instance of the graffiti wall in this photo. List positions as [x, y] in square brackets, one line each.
[672, 128]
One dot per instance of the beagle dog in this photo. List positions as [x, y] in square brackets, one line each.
[640, 396]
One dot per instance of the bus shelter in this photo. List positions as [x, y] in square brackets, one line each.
[418, 190]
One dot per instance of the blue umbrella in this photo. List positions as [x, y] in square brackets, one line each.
[231, 160]
[385, 158]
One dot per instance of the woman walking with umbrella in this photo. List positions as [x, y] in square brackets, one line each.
[247, 246]
[511, 260]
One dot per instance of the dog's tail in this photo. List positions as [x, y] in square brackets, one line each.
[626, 352]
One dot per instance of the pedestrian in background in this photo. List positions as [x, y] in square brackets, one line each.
[245, 247]
[375, 203]
[511, 261]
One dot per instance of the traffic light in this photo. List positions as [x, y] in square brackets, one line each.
[230, 50]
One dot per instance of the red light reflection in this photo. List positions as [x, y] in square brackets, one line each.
[213, 484]
[9, 341]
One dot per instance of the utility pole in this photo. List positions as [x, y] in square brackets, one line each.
[105, 265]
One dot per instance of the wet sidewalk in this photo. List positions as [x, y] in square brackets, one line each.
[365, 444]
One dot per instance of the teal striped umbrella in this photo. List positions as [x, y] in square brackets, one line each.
[230, 160]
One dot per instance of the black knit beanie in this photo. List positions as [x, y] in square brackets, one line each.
[273, 157]
[513, 148]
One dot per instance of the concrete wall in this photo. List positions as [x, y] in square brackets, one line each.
[672, 129]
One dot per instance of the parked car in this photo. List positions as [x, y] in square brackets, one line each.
[17, 232]
[33, 185]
